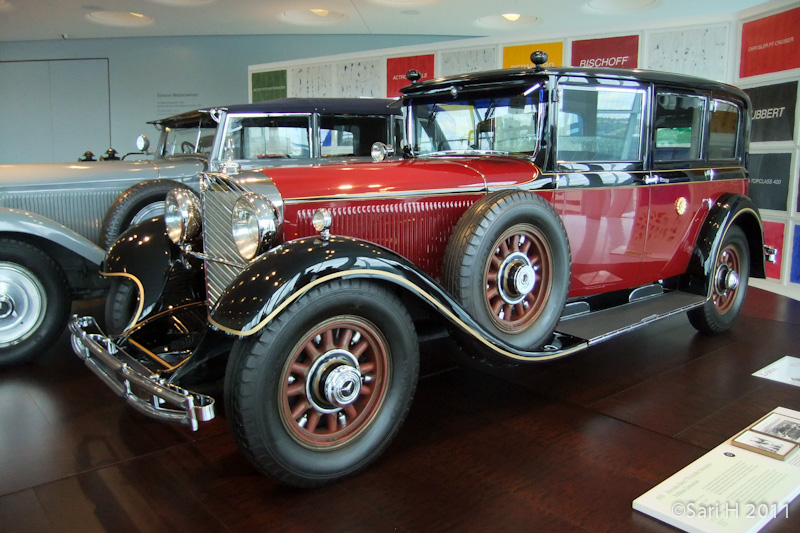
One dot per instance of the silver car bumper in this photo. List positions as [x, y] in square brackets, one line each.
[143, 390]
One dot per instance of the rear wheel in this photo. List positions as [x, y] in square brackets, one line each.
[728, 280]
[322, 390]
[34, 302]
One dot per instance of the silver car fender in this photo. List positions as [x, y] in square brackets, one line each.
[16, 221]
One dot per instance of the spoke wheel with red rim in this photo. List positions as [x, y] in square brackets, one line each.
[727, 285]
[508, 263]
[519, 277]
[322, 389]
[334, 382]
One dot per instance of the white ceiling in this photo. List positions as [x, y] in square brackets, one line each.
[25, 20]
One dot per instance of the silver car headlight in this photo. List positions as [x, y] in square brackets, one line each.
[255, 223]
[182, 216]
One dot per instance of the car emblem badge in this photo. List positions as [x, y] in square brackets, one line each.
[680, 205]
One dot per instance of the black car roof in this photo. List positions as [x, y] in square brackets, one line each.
[352, 106]
[509, 77]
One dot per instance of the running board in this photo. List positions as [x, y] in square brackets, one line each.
[602, 325]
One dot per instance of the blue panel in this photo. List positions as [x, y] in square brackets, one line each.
[795, 275]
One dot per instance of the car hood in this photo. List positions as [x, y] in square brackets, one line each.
[438, 175]
[24, 176]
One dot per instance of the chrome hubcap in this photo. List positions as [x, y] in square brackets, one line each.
[335, 381]
[22, 303]
[517, 278]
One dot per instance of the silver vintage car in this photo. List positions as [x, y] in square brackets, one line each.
[56, 219]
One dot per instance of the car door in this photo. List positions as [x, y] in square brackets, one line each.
[601, 196]
[694, 147]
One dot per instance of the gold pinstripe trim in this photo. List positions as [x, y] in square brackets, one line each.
[401, 281]
[140, 288]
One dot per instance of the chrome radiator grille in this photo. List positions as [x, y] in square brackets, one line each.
[223, 262]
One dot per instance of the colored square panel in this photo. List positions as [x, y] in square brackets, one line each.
[398, 67]
[614, 52]
[771, 44]
[268, 85]
[520, 56]
[794, 277]
[769, 180]
[773, 111]
[773, 236]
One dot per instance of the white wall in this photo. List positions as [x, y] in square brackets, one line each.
[147, 79]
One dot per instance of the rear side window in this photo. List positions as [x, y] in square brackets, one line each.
[679, 127]
[723, 130]
[600, 124]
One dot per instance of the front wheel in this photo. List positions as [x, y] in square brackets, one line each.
[728, 281]
[322, 390]
[34, 303]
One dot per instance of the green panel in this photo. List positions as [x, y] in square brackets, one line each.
[268, 85]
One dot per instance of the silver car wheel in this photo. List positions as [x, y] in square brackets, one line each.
[22, 303]
[149, 211]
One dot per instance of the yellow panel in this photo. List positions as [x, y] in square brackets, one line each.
[520, 56]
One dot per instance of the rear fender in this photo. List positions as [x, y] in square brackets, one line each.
[727, 211]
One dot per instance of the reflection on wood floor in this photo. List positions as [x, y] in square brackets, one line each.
[560, 446]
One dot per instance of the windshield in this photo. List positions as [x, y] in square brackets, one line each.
[495, 124]
[187, 135]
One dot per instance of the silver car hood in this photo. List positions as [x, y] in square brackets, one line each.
[81, 175]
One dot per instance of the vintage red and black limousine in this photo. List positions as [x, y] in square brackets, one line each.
[533, 214]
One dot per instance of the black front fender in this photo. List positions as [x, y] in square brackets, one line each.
[146, 255]
[281, 276]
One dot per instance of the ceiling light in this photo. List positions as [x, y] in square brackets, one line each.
[312, 17]
[122, 19]
[506, 21]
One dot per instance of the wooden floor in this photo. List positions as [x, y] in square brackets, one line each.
[561, 446]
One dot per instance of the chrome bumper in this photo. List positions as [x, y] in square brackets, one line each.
[144, 391]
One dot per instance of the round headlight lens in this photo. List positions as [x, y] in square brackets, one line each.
[182, 216]
[254, 224]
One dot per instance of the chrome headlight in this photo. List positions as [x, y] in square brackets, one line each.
[255, 222]
[182, 216]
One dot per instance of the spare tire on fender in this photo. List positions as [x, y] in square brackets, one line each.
[140, 202]
[508, 262]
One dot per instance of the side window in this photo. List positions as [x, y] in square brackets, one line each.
[268, 137]
[600, 124]
[346, 135]
[723, 130]
[679, 127]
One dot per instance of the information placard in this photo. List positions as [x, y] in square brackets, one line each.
[398, 67]
[520, 56]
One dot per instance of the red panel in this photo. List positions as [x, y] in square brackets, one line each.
[618, 52]
[771, 44]
[773, 236]
[398, 67]
[606, 229]
[671, 237]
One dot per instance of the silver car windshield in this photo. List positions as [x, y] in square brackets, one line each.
[507, 125]
[184, 139]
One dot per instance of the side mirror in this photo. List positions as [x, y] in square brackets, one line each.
[142, 143]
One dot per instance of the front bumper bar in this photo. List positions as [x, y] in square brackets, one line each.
[144, 391]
